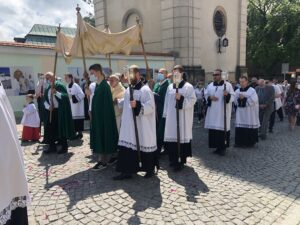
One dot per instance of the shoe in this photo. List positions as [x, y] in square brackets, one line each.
[99, 166]
[178, 168]
[149, 175]
[79, 136]
[222, 153]
[112, 161]
[216, 151]
[62, 149]
[263, 137]
[50, 150]
[122, 176]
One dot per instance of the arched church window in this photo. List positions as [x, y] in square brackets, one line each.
[220, 21]
[129, 18]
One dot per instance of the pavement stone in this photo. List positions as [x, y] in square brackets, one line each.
[248, 186]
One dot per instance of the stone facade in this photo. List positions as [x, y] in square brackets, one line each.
[184, 28]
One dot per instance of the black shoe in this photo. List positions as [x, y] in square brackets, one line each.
[50, 149]
[99, 166]
[112, 161]
[178, 168]
[122, 176]
[217, 151]
[149, 175]
[79, 136]
[62, 149]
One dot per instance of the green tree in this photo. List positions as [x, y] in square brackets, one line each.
[273, 35]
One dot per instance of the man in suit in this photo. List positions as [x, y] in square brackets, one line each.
[266, 96]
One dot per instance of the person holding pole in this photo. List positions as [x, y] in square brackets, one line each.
[219, 95]
[179, 115]
[137, 140]
[59, 125]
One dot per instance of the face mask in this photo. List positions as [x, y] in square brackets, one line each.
[160, 77]
[48, 82]
[93, 78]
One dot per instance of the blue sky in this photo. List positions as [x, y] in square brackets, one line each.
[18, 16]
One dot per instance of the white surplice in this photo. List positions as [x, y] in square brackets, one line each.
[31, 116]
[215, 113]
[146, 122]
[77, 108]
[247, 117]
[186, 114]
[13, 183]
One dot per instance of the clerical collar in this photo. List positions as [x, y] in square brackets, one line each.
[244, 89]
[138, 86]
[30, 103]
[181, 84]
[71, 84]
[219, 84]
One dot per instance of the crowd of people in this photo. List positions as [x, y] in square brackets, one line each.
[133, 122]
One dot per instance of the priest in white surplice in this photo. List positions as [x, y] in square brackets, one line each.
[144, 110]
[186, 98]
[76, 97]
[14, 196]
[247, 115]
[215, 95]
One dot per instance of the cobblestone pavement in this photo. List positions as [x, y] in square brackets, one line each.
[248, 186]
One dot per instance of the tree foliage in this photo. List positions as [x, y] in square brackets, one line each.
[273, 35]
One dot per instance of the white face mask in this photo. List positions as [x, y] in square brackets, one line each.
[93, 78]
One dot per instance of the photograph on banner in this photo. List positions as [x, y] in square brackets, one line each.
[23, 80]
[18, 80]
[5, 78]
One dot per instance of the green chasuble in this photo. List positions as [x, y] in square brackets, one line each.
[160, 90]
[65, 122]
[104, 132]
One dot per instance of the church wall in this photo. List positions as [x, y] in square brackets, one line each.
[150, 12]
[42, 60]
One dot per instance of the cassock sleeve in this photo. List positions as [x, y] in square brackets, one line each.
[189, 98]
[29, 109]
[252, 99]
[166, 104]
[147, 103]
[78, 95]
[231, 96]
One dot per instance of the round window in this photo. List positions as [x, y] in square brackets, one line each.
[220, 22]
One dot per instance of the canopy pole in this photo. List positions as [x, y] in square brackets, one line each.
[109, 54]
[148, 75]
[85, 73]
[54, 76]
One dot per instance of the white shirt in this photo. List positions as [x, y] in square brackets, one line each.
[31, 116]
[146, 122]
[92, 88]
[77, 108]
[278, 102]
[186, 114]
[247, 117]
[55, 102]
[215, 113]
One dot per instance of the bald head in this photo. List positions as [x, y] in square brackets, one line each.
[261, 82]
[49, 76]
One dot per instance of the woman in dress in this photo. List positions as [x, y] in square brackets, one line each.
[292, 104]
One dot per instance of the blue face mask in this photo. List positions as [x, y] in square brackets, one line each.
[93, 78]
[160, 77]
